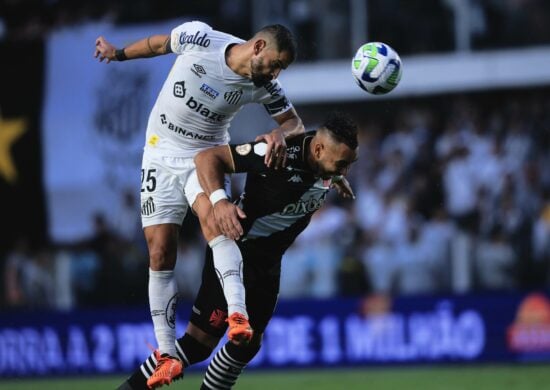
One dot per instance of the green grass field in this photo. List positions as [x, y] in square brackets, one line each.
[509, 377]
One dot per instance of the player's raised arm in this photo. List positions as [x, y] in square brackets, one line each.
[212, 164]
[290, 125]
[152, 46]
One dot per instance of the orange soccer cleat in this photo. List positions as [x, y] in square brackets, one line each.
[239, 331]
[168, 369]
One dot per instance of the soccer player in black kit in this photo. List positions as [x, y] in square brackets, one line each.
[276, 206]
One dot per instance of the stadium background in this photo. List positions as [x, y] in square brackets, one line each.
[442, 259]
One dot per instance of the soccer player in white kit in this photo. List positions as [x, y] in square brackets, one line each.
[213, 76]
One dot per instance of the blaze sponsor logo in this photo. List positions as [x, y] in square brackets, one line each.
[217, 318]
[198, 70]
[209, 116]
[195, 39]
[305, 206]
[179, 89]
[233, 97]
[530, 332]
[209, 91]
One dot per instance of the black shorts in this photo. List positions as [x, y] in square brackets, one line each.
[261, 280]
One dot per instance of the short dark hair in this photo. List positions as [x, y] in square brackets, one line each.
[283, 37]
[342, 128]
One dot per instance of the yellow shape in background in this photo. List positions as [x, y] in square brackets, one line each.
[10, 131]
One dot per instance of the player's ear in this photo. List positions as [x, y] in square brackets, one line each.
[259, 45]
[318, 149]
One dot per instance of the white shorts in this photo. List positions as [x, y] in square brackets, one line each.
[169, 186]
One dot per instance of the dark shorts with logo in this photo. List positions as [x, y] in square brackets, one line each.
[261, 280]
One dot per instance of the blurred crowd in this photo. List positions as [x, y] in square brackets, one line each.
[430, 25]
[453, 196]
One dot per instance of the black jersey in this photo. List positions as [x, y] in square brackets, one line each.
[278, 203]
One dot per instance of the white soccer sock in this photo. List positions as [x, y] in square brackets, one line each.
[163, 294]
[228, 264]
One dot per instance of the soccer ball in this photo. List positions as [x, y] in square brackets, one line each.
[377, 68]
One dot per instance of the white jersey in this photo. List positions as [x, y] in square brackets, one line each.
[201, 94]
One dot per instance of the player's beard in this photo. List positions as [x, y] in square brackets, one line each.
[256, 73]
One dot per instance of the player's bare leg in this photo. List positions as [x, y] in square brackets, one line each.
[228, 264]
[163, 293]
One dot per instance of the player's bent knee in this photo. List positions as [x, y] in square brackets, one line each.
[162, 246]
[161, 259]
[192, 350]
[201, 336]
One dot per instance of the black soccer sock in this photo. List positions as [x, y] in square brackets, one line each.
[189, 350]
[226, 366]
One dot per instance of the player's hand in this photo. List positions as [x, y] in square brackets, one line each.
[343, 187]
[275, 156]
[104, 50]
[228, 217]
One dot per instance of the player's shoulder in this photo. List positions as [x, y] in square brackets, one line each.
[194, 25]
[198, 36]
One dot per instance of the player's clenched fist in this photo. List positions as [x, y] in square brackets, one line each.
[104, 50]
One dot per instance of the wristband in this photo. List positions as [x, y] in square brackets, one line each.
[217, 195]
[120, 55]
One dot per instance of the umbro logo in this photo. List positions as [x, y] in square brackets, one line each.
[198, 70]
[296, 179]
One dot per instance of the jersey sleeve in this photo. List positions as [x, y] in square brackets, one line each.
[249, 157]
[189, 36]
[274, 99]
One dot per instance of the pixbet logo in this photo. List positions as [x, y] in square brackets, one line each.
[304, 206]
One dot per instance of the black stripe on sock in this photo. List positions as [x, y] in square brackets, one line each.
[230, 360]
[211, 385]
[221, 369]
